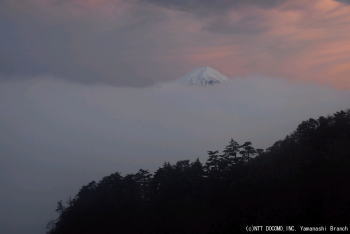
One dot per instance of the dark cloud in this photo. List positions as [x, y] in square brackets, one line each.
[249, 24]
[210, 6]
[216, 11]
[344, 1]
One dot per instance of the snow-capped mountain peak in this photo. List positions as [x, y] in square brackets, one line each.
[203, 76]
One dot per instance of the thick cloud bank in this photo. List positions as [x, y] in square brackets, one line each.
[56, 136]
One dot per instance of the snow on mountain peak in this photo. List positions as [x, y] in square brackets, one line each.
[203, 76]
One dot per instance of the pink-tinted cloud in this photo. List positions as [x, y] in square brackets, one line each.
[303, 40]
[292, 39]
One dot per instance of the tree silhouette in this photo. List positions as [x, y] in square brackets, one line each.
[300, 180]
[247, 151]
[213, 163]
[231, 153]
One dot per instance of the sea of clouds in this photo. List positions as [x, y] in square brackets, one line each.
[56, 136]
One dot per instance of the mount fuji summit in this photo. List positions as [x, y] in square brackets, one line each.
[203, 76]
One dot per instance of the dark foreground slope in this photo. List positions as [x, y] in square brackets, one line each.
[303, 179]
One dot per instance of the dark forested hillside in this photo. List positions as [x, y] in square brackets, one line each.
[303, 179]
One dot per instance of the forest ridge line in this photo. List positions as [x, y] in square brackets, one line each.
[300, 180]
